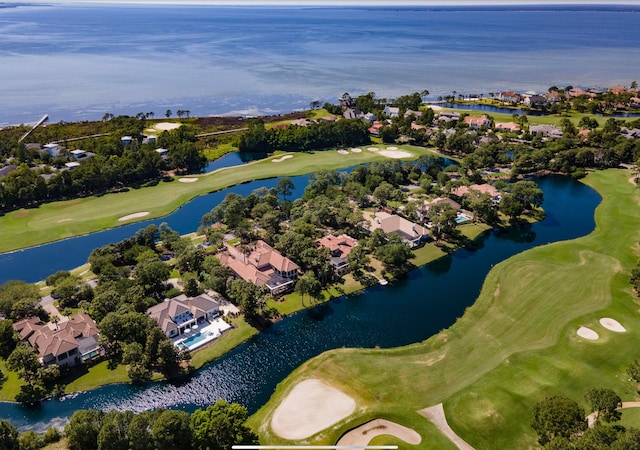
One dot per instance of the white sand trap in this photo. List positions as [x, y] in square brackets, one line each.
[612, 324]
[395, 154]
[310, 407]
[282, 158]
[587, 333]
[64, 220]
[356, 150]
[343, 152]
[392, 148]
[373, 149]
[133, 216]
[187, 180]
[362, 435]
[165, 126]
[435, 107]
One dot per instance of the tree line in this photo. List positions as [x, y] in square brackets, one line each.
[218, 427]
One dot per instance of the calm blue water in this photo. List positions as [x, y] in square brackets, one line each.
[233, 159]
[79, 61]
[70, 253]
[428, 300]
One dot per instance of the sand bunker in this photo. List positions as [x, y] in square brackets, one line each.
[612, 324]
[356, 150]
[133, 216]
[392, 148]
[165, 126]
[587, 333]
[310, 407]
[282, 158]
[395, 154]
[343, 152]
[362, 435]
[373, 149]
[64, 220]
[187, 180]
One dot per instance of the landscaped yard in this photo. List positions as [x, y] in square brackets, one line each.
[516, 345]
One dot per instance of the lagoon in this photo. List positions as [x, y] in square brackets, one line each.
[427, 300]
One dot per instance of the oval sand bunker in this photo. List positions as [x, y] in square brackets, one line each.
[612, 324]
[133, 216]
[310, 407]
[587, 333]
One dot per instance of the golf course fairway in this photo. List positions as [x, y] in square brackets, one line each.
[515, 346]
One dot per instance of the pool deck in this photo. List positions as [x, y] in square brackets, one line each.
[209, 332]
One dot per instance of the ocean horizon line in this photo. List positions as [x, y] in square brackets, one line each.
[334, 3]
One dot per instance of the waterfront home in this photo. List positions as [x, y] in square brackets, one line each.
[260, 264]
[548, 131]
[66, 343]
[339, 247]
[509, 97]
[535, 101]
[411, 233]
[428, 204]
[178, 314]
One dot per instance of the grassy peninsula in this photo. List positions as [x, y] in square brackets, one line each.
[59, 220]
[515, 346]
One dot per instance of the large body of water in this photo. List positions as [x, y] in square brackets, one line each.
[427, 300]
[78, 62]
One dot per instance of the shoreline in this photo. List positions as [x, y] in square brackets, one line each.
[417, 262]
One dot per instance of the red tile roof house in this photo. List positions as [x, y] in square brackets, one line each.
[508, 126]
[65, 344]
[375, 128]
[177, 314]
[340, 247]
[477, 122]
[411, 233]
[482, 188]
[262, 266]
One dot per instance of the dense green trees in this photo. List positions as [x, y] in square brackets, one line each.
[217, 427]
[315, 136]
[557, 417]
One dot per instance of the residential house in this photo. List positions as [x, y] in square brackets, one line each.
[412, 113]
[535, 101]
[72, 165]
[4, 171]
[261, 265]
[577, 92]
[301, 122]
[482, 188]
[353, 114]
[509, 97]
[548, 131]
[617, 90]
[78, 154]
[126, 140]
[477, 122]
[411, 233]
[52, 149]
[428, 204]
[370, 117]
[508, 126]
[66, 343]
[375, 128]
[163, 152]
[447, 116]
[178, 314]
[391, 111]
[339, 247]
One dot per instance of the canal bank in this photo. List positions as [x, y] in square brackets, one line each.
[429, 299]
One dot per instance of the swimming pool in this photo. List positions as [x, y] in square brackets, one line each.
[462, 218]
[191, 341]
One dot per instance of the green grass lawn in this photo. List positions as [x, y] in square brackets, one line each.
[516, 345]
[98, 375]
[59, 220]
[232, 338]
